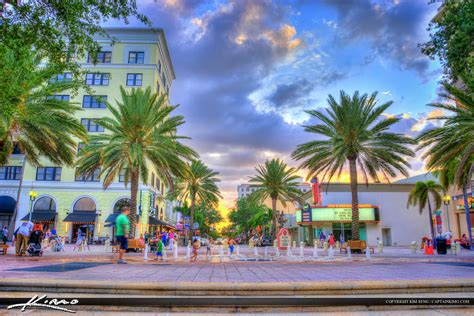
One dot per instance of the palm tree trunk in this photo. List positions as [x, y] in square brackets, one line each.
[355, 199]
[134, 179]
[274, 218]
[191, 215]
[468, 217]
[11, 226]
[430, 215]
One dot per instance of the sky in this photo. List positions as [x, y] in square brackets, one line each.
[247, 70]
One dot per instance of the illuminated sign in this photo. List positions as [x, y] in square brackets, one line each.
[337, 214]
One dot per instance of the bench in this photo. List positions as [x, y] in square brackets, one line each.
[358, 245]
[3, 249]
[132, 245]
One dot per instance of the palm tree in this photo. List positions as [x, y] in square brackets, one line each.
[140, 135]
[198, 185]
[275, 180]
[420, 196]
[354, 133]
[31, 119]
[454, 141]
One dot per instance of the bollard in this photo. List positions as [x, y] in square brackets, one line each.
[221, 251]
[237, 250]
[413, 247]
[277, 252]
[367, 253]
[349, 255]
[458, 247]
[315, 251]
[288, 251]
[255, 251]
[188, 252]
[107, 245]
[228, 252]
[165, 256]
[145, 252]
[338, 244]
[301, 249]
[330, 254]
[175, 252]
[380, 246]
[325, 246]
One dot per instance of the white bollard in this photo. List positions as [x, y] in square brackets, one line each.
[330, 253]
[165, 256]
[221, 251]
[255, 251]
[315, 251]
[349, 255]
[277, 252]
[265, 252]
[188, 252]
[175, 251]
[367, 253]
[237, 250]
[228, 252]
[145, 252]
[288, 251]
[301, 250]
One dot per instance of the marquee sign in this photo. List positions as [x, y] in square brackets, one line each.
[336, 214]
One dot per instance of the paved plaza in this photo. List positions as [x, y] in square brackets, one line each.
[392, 264]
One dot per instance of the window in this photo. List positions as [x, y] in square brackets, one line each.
[59, 97]
[84, 204]
[101, 58]
[94, 177]
[158, 183]
[157, 87]
[136, 57]
[94, 101]
[97, 79]
[163, 79]
[122, 176]
[91, 126]
[45, 203]
[48, 174]
[10, 173]
[152, 179]
[134, 79]
[159, 66]
[67, 76]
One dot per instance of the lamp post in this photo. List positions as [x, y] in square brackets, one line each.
[446, 201]
[33, 196]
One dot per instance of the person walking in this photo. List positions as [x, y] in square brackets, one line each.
[5, 234]
[159, 249]
[209, 247]
[122, 224]
[171, 242]
[332, 241]
[195, 250]
[231, 245]
[22, 237]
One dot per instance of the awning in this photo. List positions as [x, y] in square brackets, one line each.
[81, 217]
[112, 217]
[7, 205]
[40, 217]
[157, 222]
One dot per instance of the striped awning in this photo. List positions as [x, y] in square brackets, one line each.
[158, 222]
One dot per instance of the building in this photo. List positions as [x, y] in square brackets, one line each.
[383, 213]
[69, 201]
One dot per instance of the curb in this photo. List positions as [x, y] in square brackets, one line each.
[236, 288]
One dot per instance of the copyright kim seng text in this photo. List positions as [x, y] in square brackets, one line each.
[429, 301]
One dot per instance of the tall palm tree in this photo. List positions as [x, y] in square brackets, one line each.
[420, 195]
[353, 133]
[140, 134]
[31, 119]
[275, 180]
[198, 186]
[454, 141]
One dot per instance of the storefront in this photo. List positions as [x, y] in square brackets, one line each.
[44, 213]
[336, 220]
[84, 218]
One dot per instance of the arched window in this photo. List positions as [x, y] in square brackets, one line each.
[84, 204]
[121, 203]
[45, 203]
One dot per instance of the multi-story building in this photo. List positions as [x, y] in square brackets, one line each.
[67, 200]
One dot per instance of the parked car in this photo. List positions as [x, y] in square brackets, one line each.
[204, 241]
[219, 241]
[266, 241]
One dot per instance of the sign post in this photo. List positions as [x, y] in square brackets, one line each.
[284, 239]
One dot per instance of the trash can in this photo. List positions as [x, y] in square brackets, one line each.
[441, 246]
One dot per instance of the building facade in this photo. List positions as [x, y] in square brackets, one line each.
[70, 201]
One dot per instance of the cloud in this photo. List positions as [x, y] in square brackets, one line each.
[393, 30]
[287, 95]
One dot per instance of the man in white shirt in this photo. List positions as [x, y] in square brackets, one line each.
[22, 237]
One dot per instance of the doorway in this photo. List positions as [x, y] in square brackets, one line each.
[387, 236]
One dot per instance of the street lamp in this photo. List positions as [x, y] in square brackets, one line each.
[33, 196]
[446, 201]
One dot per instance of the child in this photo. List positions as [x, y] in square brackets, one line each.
[195, 250]
[159, 249]
[231, 246]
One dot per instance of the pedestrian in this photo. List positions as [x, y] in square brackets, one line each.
[331, 240]
[163, 238]
[79, 240]
[122, 224]
[22, 237]
[195, 250]
[209, 247]
[322, 237]
[171, 240]
[5, 234]
[341, 239]
[159, 249]
[231, 246]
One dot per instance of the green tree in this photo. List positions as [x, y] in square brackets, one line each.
[451, 146]
[59, 27]
[275, 180]
[354, 133]
[197, 184]
[141, 133]
[206, 216]
[452, 35]
[248, 214]
[420, 196]
[31, 119]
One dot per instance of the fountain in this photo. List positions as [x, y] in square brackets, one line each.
[165, 255]
[330, 255]
[315, 251]
[302, 249]
[367, 253]
[349, 255]
[288, 251]
[188, 252]
[175, 252]
[255, 251]
[145, 252]
[237, 250]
